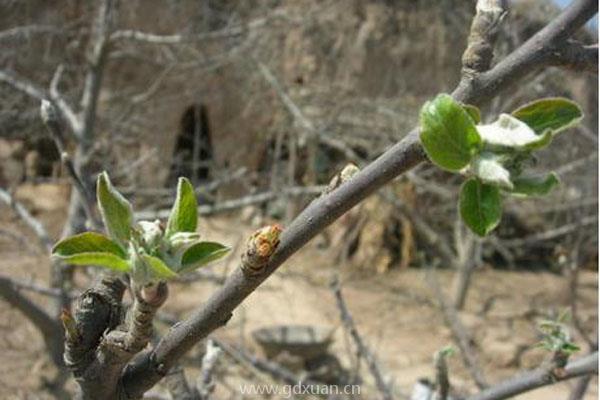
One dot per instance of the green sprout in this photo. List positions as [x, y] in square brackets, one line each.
[556, 337]
[446, 351]
[146, 250]
[493, 156]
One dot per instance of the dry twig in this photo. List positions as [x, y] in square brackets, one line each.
[362, 348]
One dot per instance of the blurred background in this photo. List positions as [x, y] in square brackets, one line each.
[260, 103]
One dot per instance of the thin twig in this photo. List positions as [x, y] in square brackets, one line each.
[36, 226]
[34, 287]
[551, 233]
[573, 273]
[363, 350]
[22, 85]
[576, 56]
[49, 327]
[28, 30]
[205, 384]
[230, 31]
[22, 240]
[52, 121]
[275, 370]
[461, 337]
[61, 104]
[228, 205]
[178, 386]
[95, 73]
[304, 122]
[424, 230]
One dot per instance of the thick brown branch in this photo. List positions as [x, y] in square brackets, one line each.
[537, 378]
[95, 363]
[97, 309]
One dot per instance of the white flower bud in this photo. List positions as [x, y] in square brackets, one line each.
[152, 233]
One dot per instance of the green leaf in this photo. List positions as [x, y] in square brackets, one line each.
[448, 133]
[201, 254]
[447, 351]
[87, 242]
[510, 132]
[480, 206]
[159, 269]
[116, 211]
[570, 348]
[473, 112]
[184, 214]
[534, 186]
[488, 167]
[98, 259]
[91, 248]
[554, 114]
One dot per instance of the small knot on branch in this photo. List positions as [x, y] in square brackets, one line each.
[259, 249]
[341, 177]
[48, 112]
[480, 49]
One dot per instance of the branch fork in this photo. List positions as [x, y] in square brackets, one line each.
[99, 344]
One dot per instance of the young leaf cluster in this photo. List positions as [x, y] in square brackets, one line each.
[493, 156]
[556, 338]
[146, 250]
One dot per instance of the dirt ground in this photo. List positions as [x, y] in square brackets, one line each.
[395, 312]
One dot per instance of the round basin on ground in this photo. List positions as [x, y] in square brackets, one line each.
[303, 341]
